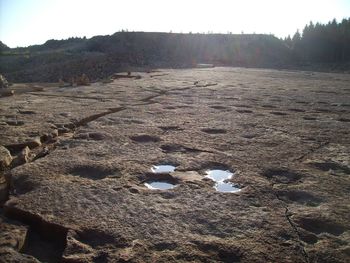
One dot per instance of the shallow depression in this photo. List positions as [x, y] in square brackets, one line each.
[226, 187]
[164, 168]
[219, 176]
[156, 185]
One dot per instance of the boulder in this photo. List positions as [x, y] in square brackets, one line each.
[22, 158]
[5, 158]
[3, 82]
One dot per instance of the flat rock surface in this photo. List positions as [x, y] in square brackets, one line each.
[81, 190]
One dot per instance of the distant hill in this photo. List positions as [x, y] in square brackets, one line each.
[101, 56]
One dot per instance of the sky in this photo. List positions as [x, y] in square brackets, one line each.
[29, 22]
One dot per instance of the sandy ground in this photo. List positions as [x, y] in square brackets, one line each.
[75, 189]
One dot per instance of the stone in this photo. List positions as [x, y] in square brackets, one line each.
[12, 240]
[5, 158]
[3, 82]
[4, 188]
[22, 158]
[33, 143]
[7, 93]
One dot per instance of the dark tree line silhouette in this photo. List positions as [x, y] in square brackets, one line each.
[322, 43]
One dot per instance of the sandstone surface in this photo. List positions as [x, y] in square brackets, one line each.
[79, 193]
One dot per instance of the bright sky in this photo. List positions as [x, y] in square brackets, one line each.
[28, 22]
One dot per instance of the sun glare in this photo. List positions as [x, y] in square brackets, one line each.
[33, 22]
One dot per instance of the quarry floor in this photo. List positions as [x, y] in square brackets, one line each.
[75, 189]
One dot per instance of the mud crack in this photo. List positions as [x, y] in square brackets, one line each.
[91, 118]
[42, 234]
[33, 150]
[287, 215]
[66, 96]
[149, 99]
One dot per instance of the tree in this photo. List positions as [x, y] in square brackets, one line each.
[296, 40]
[288, 41]
[323, 43]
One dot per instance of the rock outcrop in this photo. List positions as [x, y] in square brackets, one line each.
[84, 162]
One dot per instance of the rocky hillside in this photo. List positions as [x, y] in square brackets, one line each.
[101, 56]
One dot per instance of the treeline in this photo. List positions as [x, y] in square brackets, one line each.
[322, 43]
[322, 47]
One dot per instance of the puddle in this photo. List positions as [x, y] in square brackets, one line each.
[226, 187]
[157, 185]
[164, 168]
[164, 182]
[220, 176]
